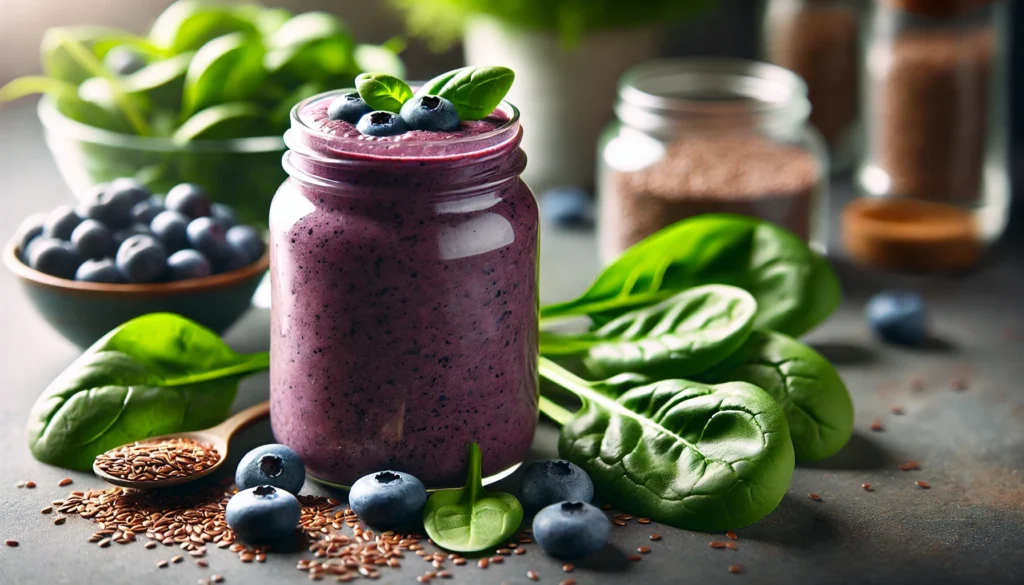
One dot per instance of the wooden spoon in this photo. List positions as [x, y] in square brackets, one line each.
[218, 437]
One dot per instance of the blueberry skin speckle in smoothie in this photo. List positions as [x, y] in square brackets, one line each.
[404, 320]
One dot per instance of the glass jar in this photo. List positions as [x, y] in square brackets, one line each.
[404, 313]
[819, 41]
[697, 136]
[936, 129]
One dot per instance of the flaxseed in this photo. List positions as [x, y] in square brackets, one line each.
[732, 535]
[655, 536]
[532, 576]
[65, 482]
[735, 569]
[158, 460]
[814, 496]
[923, 484]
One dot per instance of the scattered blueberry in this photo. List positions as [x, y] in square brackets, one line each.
[224, 214]
[275, 465]
[141, 259]
[123, 60]
[145, 211]
[189, 200]
[247, 240]
[93, 240]
[209, 237]
[263, 514]
[430, 112]
[98, 271]
[136, 229]
[569, 530]
[61, 222]
[186, 264]
[382, 124]
[54, 257]
[349, 107]
[567, 207]
[388, 499]
[549, 481]
[171, 229]
[898, 317]
[29, 230]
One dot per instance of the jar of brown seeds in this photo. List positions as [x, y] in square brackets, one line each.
[935, 112]
[697, 136]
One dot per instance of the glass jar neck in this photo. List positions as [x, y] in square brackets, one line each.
[670, 97]
[459, 166]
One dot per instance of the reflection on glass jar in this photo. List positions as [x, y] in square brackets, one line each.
[818, 40]
[935, 118]
[404, 314]
[697, 136]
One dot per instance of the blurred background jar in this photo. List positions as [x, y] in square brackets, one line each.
[935, 87]
[819, 41]
[697, 136]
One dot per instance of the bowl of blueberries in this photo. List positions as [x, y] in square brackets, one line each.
[123, 252]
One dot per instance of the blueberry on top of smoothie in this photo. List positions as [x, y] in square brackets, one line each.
[349, 108]
[430, 112]
[382, 124]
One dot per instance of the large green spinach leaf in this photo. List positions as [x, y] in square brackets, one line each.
[686, 454]
[679, 336]
[156, 374]
[817, 404]
[795, 288]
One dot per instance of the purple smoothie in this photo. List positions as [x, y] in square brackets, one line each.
[404, 319]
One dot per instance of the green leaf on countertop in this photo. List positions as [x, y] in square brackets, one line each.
[475, 91]
[156, 374]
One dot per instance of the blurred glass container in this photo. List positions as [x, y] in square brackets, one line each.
[819, 41]
[243, 172]
[935, 98]
[696, 136]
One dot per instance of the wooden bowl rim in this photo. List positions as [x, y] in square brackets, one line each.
[181, 287]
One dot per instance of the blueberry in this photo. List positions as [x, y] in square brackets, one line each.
[30, 229]
[136, 229]
[123, 60]
[263, 514]
[61, 222]
[388, 499]
[93, 240]
[98, 271]
[567, 207]
[430, 112]
[209, 237]
[171, 229]
[382, 124]
[224, 214]
[898, 317]
[233, 259]
[569, 530]
[141, 259]
[189, 200]
[549, 481]
[54, 257]
[112, 204]
[248, 241]
[187, 264]
[349, 108]
[145, 211]
[274, 465]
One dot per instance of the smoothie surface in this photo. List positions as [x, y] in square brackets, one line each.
[314, 115]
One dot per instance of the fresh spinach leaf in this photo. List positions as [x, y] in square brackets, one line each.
[475, 91]
[383, 92]
[809, 389]
[157, 374]
[679, 336]
[228, 68]
[682, 453]
[60, 64]
[795, 288]
[224, 122]
[471, 519]
[187, 25]
[162, 82]
[310, 46]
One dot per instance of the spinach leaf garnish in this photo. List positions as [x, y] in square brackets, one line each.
[157, 374]
[682, 453]
[471, 519]
[383, 92]
[475, 91]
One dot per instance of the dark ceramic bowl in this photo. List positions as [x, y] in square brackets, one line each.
[85, 311]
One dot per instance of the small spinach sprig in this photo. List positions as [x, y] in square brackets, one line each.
[474, 91]
[156, 374]
[471, 519]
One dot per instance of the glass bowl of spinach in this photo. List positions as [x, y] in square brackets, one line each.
[203, 97]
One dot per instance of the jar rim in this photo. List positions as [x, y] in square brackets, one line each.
[712, 87]
[433, 150]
